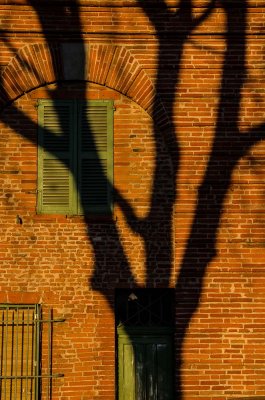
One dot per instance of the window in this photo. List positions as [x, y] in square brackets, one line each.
[19, 352]
[144, 319]
[75, 157]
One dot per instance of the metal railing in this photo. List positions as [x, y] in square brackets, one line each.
[20, 346]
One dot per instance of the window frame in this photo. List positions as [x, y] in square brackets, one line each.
[74, 159]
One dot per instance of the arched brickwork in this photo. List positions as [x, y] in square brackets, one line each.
[37, 65]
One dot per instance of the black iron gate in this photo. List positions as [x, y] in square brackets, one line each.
[20, 352]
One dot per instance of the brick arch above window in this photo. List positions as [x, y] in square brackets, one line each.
[113, 66]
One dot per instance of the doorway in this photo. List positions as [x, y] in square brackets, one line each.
[144, 319]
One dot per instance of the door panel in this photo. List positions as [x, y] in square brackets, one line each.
[145, 366]
[128, 369]
[139, 351]
[151, 367]
[164, 375]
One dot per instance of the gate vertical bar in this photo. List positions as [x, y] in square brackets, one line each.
[16, 353]
[22, 354]
[27, 355]
[11, 338]
[6, 341]
[37, 322]
[2, 351]
[49, 385]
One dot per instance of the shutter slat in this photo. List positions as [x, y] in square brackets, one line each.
[56, 183]
[94, 187]
[56, 120]
[95, 152]
[56, 132]
[94, 125]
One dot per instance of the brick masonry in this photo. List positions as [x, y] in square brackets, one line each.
[188, 177]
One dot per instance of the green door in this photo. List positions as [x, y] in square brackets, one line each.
[145, 363]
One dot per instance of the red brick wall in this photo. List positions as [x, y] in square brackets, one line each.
[189, 181]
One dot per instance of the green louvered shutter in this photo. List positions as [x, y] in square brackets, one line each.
[95, 157]
[56, 170]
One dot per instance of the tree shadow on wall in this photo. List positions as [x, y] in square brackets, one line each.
[112, 267]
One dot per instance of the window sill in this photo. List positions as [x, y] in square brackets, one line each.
[90, 218]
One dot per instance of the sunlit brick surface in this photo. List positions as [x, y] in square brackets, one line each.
[189, 192]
